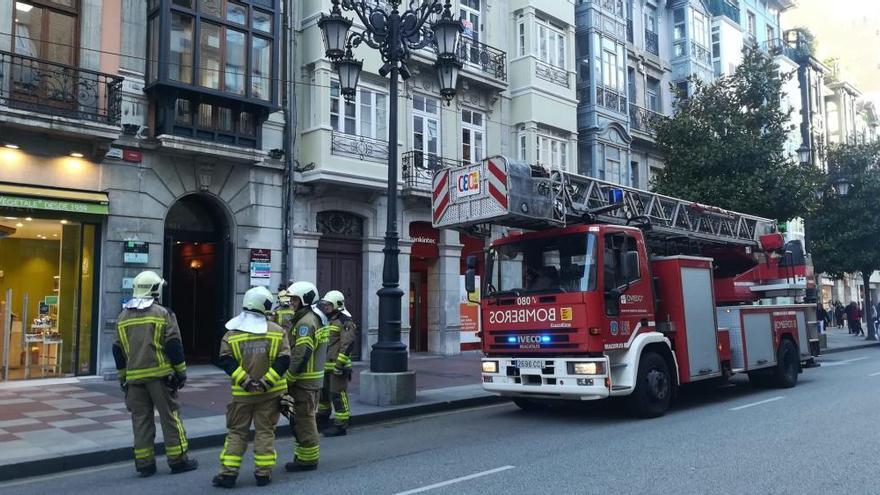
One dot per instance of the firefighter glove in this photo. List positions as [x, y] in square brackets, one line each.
[287, 406]
[252, 385]
[181, 379]
[123, 385]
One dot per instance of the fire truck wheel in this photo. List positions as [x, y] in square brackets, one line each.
[785, 375]
[654, 387]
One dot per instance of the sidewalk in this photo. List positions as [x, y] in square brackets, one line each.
[47, 427]
[839, 340]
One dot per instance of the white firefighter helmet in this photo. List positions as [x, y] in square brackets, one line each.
[147, 284]
[335, 298]
[258, 299]
[305, 291]
[284, 296]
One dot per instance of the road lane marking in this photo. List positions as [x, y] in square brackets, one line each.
[753, 404]
[66, 474]
[875, 374]
[845, 361]
[455, 480]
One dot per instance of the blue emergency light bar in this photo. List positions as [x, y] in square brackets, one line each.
[615, 196]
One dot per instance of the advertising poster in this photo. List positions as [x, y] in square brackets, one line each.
[470, 316]
[261, 267]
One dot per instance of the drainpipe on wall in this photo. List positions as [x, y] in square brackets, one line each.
[288, 102]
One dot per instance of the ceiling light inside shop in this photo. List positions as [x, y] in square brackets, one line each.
[11, 146]
[64, 222]
[11, 218]
[76, 154]
[19, 224]
[29, 219]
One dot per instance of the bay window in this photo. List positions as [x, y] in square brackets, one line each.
[551, 44]
[612, 65]
[212, 67]
[699, 28]
[552, 152]
[365, 116]
[426, 128]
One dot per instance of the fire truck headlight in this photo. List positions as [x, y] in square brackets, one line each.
[592, 368]
[490, 366]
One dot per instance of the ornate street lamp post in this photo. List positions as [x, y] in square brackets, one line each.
[395, 35]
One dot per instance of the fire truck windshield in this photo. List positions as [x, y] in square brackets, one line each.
[547, 265]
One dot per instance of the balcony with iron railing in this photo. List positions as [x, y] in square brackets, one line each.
[486, 60]
[419, 168]
[777, 46]
[652, 42]
[725, 8]
[58, 90]
[611, 99]
[360, 147]
[643, 120]
[551, 73]
[700, 53]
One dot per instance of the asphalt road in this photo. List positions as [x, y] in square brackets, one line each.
[821, 437]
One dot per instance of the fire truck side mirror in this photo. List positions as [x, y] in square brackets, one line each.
[470, 276]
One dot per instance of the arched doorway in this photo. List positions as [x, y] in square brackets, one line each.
[197, 269]
[340, 262]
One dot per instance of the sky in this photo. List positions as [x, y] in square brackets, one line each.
[848, 30]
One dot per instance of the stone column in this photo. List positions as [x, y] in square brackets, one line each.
[304, 256]
[444, 325]
[372, 281]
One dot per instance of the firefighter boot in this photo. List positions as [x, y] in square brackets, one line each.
[184, 466]
[336, 431]
[263, 479]
[298, 466]
[147, 471]
[224, 481]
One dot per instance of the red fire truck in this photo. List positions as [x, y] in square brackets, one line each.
[592, 290]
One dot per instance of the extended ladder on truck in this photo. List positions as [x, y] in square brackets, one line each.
[512, 193]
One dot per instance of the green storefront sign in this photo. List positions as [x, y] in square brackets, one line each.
[7, 201]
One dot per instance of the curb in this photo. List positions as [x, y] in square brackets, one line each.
[69, 462]
[849, 348]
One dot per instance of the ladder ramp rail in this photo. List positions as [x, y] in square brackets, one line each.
[512, 193]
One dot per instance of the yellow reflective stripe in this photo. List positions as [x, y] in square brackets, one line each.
[180, 368]
[272, 376]
[141, 320]
[181, 433]
[308, 454]
[173, 450]
[289, 376]
[329, 366]
[158, 371]
[238, 376]
[309, 375]
[123, 338]
[265, 459]
[247, 337]
[237, 391]
[144, 453]
[305, 341]
[157, 341]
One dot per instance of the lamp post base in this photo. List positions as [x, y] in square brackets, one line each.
[387, 389]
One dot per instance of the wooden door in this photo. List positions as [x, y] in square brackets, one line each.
[340, 266]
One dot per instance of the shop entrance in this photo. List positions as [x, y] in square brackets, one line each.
[198, 274]
[422, 266]
[47, 295]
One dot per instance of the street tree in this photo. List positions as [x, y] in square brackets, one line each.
[844, 231]
[725, 145]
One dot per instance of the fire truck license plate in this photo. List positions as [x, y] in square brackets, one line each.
[529, 363]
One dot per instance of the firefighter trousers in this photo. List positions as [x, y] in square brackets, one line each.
[305, 430]
[239, 417]
[334, 398]
[141, 400]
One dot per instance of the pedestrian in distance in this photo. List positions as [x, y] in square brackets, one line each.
[821, 317]
[838, 314]
[151, 368]
[337, 371]
[255, 353]
[850, 323]
[306, 374]
[857, 320]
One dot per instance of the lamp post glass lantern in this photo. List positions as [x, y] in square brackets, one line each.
[395, 34]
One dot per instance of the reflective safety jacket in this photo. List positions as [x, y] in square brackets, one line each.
[264, 356]
[309, 352]
[341, 335]
[284, 317]
[148, 344]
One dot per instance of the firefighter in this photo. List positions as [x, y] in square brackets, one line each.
[283, 313]
[151, 368]
[256, 355]
[337, 370]
[306, 374]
